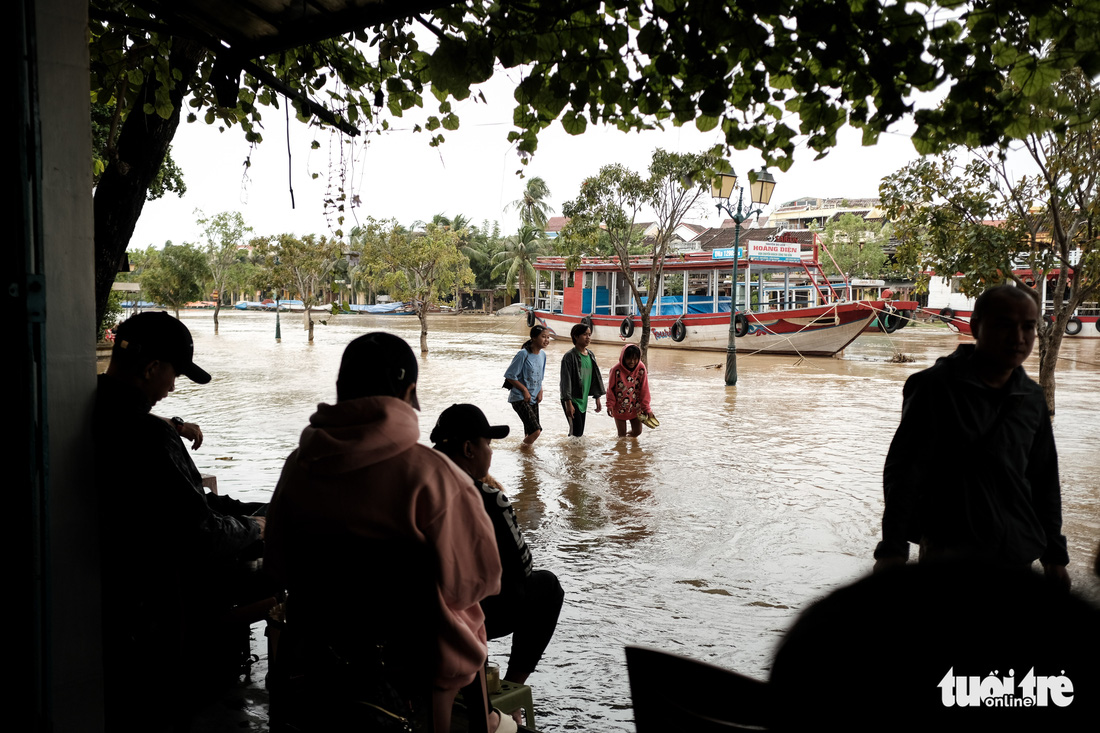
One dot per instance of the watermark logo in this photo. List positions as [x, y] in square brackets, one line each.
[992, 691]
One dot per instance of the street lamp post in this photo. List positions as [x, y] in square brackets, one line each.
[760, 193]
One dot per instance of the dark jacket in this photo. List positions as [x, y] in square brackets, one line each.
[972, 469]
[147, 479]
[571, 385]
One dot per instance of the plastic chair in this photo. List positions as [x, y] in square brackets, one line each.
[676, 693]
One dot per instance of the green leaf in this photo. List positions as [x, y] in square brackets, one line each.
[704, 123]
[573, 123]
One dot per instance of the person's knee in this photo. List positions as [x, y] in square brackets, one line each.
[547, 586]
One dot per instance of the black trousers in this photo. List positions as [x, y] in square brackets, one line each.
[530, 617]
[576, 423]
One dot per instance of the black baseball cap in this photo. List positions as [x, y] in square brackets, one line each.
[464, 422]
[377, 364]
[157, 335]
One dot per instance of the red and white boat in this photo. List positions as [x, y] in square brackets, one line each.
[794, 308]
[955, 309]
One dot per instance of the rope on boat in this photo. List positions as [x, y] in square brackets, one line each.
[787, 338]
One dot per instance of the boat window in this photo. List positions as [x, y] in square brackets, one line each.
[542, 296]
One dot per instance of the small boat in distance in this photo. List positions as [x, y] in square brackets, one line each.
[794, 308]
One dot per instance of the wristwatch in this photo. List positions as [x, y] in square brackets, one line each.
[178, 422]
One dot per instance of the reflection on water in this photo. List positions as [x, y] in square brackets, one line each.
[704, 537]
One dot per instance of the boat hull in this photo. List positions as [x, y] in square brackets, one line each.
[959, 322]
[819, 331]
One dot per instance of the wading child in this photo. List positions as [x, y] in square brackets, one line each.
[580, 379]
[524, 375]
[628, 393]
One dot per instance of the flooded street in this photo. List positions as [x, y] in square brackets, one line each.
[705, 537]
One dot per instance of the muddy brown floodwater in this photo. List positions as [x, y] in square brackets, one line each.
[705, 537]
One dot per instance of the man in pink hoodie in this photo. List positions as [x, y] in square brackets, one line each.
[359, 479]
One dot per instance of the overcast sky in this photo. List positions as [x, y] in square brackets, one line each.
[398, 175]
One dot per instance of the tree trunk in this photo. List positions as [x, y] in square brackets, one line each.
[422, 313]
[1050, 344]
[309, 322]
[643, 342]
[142, 145]
[217, 307]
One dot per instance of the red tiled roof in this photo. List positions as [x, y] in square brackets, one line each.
[556, 223]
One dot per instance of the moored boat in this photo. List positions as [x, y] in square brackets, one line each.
[795, 309]
[955, 309]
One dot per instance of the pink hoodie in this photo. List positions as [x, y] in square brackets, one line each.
[360, 470]
[627, 391]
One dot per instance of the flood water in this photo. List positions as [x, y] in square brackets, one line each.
[705, 537]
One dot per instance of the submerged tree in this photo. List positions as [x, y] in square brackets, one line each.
[423, 268]
[981, 219]
[225, 233]
[302, 265]
[173, 276]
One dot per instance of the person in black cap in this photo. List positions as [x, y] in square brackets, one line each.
[360, 479]
[529, 600]
[170, 550]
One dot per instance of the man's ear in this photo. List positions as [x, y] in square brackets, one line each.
[409, 392]
[468, 449]
[150, 369]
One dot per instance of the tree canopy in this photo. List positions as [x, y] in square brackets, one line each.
[423, 266]
[769, 75]
[173, 276]
[225, 234]
[855, 246]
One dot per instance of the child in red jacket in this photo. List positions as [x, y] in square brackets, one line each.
[628, 391]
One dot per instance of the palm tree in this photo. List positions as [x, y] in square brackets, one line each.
[517, 259]
[532, 206]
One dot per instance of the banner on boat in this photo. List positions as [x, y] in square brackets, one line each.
[730, 253]
[775, 251]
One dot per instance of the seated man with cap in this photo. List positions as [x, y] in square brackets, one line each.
[169, 548]
[529, 600]
[357, 499]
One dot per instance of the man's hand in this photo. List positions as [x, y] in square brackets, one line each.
[539, 398]
[190, 431]
[569, 409]
[262, 523]
[1058, 575]
[599, 407]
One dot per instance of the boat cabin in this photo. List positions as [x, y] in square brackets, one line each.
[775, 275]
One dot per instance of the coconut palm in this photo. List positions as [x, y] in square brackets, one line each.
[517, 259]
[532, 206]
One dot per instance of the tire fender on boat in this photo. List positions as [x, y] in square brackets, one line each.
[587, 321]
[906, 318]
[678, 331]
[888, 320]
[531, 318]
[740, 325]
[946, 314]
[626, 328]
[1073, 326]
